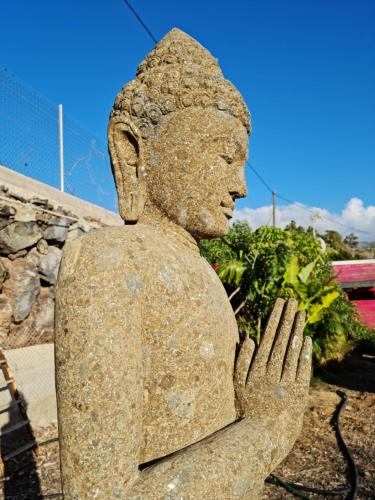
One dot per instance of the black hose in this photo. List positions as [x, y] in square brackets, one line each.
[278, 482]
[352, 468]
[287, 486]
[296, 489]
[48, 441]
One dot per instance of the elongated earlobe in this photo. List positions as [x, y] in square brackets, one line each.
[125, 148]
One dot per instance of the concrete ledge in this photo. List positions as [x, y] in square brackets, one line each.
[33, 370]
[28, 187]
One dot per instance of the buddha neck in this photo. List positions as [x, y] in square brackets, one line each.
[153, 217]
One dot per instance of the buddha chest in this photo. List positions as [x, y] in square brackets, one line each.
[189, 337]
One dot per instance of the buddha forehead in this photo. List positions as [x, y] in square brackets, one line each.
[198, 130]
[178, 74]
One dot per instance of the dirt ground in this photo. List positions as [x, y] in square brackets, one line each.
[315, 461]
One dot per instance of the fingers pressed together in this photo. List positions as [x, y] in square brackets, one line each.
[283, 354]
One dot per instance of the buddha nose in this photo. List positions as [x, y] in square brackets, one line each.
[237, 187]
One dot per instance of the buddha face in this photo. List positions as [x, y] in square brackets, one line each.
[194, 171]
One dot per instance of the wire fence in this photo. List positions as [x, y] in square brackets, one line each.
[29, 144]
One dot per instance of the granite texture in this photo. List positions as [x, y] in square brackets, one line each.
[152, 402]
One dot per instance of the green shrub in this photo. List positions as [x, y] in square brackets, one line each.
[258, 266]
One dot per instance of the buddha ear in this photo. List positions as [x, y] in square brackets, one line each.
[126, 148]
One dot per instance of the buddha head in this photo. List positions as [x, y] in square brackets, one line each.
[178, 137]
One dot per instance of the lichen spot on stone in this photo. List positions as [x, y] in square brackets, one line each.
[133, 284]
[207, 218]
[117, 492]
[295, 342]
[170, 281]
[109, 257]
[182, 402]
[282, 442]
[174, 488]
[182, 217]
[280, 392]
[241, 485]
[173, 344]
[154, 160]
[207, 350]
[171, 485]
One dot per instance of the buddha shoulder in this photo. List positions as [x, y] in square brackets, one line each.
[111, 250]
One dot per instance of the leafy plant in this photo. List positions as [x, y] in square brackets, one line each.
[299, 280]
[258, 266]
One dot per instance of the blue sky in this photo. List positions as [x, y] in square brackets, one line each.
[306, 69]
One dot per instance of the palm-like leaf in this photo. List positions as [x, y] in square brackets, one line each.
[231, 271]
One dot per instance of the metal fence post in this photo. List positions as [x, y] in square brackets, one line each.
[61, 147]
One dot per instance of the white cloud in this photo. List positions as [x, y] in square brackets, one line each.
[354, 214]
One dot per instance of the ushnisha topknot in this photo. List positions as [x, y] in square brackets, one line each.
[178, 73]
[178, 47]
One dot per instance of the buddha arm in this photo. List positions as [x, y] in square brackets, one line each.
[98, 370]
[230, 464]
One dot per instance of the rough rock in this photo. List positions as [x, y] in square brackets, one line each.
[5, 319]
[3, 273]
[42, 247]
[25, 213]
[44, 313]
[33, 258]
[7, 211]
[22, 287]
[6, 215]
[38, 327]
[77, 230]
[57, 229]
[4, 222]
[42, 217]
[42, 202]
[19, 235]
[49, 264]
[19, 197]
[17, 255]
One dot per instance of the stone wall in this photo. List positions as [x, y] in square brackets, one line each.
[33, 232]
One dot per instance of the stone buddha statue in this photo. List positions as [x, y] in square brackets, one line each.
[156, 397]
